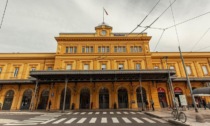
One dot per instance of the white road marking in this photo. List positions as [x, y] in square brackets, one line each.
[69, 113]
[60, 120]
[111, 112]
[97, 113]
[104, 112]
[118, 112]
[20, 124]
[149, 120]
[93, 120]
[125, 112]
[76, 113]
[132, 112]
[159, 120]
[103, 120]
[139, 112]
[90, 113]
[82, 120]
[137, 120]
[126, 120]
[115, 120]
[48, 121]
[70, 121]
[83, 113]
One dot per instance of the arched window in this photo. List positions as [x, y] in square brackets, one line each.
[8, 100]
[26, 100]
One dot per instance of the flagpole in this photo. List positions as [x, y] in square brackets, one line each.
[103, 16]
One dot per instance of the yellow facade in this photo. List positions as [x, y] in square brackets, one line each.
[94, 51]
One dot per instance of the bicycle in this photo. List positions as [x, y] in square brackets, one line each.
[179, 115]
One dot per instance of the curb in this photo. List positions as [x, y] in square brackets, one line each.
[154, 115]
[177, 122]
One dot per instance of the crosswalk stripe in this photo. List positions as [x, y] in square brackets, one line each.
[149, 120]
[97, 112]
[93, 120]
[115, 120]
[82, 120]
[125, 112]
[126, 120]
[118, 112]
[76, 113]
[48, 121]
[139, 112]
[159, 120]
[132, 112]
[137, 120]
[83, 113]
[69, 113]
[20, 124]
[60, 120]
[103, 120]
[111, 112]
[70, 121]
[104, 113]
[90, 113]
[39, 119]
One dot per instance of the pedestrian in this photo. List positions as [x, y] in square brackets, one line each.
[204, 103]
[152, 104]
[49, 105]
[147, 104]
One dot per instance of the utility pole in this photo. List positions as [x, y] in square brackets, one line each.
[188, 80]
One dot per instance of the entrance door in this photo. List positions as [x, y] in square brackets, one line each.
[68, 99]
[177, 92]
[162, 97]
[8, 100]
[104, 98]
[43, 99]
[122, 98]
[85, 98]
[26, 100]
[140, 102]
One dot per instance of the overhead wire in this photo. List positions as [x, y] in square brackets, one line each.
[200, 39]
[157, 17]
[4, 14]
[145, 17]
[159, 40]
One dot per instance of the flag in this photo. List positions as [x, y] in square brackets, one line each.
[105, 12]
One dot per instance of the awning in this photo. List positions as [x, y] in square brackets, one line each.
[101, 75]
[205, 91]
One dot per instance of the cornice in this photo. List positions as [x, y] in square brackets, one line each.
[142, 38]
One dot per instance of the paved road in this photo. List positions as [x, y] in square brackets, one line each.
[90, 118]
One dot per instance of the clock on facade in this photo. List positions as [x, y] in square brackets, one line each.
[103, 32]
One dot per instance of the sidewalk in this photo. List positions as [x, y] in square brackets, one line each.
[191, 114]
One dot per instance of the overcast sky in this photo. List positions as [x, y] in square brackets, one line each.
[31, 25]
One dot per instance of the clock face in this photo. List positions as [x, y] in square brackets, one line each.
[103, 32]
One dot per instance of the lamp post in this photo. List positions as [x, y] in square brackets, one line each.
[170, 82]
[188, 80]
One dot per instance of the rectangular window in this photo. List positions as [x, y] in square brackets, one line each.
[156, 67]
[103, 49]
[119, 49]
[171, 68]
[49, 68]
[68, 67]
[103, 66]
[135, 49]
[205, 71]
[86, 67]
[87, 49]
[0, 70]
[189, 72]
[67, 49]
[120, 66]
[138, 66]
[16, 71]
[33, 69]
